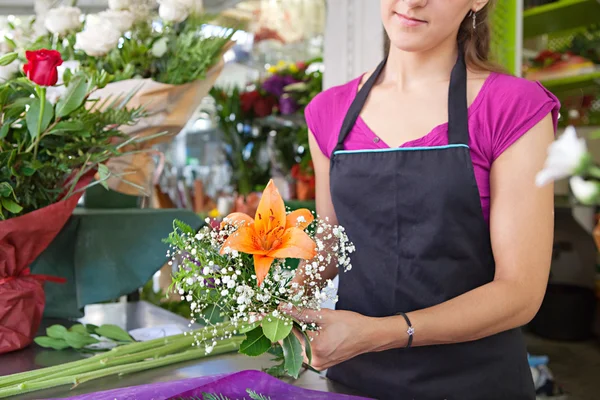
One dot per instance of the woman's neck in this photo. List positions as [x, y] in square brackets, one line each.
[407, 69]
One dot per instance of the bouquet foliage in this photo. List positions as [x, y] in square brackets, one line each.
[238, 271]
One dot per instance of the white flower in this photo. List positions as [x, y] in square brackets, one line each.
[566, 156]
[71, 65]
[120, 4]
[119, 20]
[62, 20]
[585, 191]
[54, 93]
[159, 48]
[97, 40]
[175, 10]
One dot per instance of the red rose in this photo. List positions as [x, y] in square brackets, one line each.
[248, 99]
[41, 67]
[264, 106]
[301, 65]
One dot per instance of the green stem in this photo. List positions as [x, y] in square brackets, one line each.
[26, 387]
[42, 95]
[594, 172]
[206, 332]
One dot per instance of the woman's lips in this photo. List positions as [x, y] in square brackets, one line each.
[409, 22]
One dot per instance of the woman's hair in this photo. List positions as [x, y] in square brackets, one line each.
[475, 42]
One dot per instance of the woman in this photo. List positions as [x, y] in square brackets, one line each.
[430, 167]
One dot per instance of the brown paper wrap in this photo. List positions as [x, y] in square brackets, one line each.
[170, 106]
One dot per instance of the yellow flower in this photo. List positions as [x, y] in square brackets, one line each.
[272, 70]
[282, 64]
[293, 68]
[214, 213]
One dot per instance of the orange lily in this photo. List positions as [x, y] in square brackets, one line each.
[271, 234]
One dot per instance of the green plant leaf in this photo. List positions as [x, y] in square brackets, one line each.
[11, 206]
[33, 117]
[73, 99]
[212, 313]
[91, 328]
[27, 168]
[79, 341]
[276, 328]
[4, 130]
[104, 173]
[249, 327]
[256, 396]
[307, 346]
[56, 331]
[256, 343]
[292, 351]
[64, 127]
[114, 332]
[8, 58]
[51, 343]
[5, 189]
[79, 329]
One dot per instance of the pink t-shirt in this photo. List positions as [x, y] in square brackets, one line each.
[504, 110]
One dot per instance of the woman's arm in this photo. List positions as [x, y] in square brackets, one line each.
[521, 226]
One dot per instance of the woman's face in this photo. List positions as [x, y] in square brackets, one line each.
[420, 25]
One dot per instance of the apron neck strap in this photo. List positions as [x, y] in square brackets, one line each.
[458, 116]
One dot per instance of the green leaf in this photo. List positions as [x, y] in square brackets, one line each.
[56, 331]
[307, 346]
[249, 327]
[79, 341]
[73, 99]
[91, 328]
[79, 329]
[292, 351]
[4, 130]
[64, 127]
[212, 314]
[8, 58]
[51, 343]
[276, 327]
[11, 206]
[5, 189]
[211, 396]
[27, 169]
[256, 396]
[33, 117]
[114, 332]
[104, 173]
[256, 343]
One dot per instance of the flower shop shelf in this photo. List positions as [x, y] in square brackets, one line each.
[560, 16]
[584, 83]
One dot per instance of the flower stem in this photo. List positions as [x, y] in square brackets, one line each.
[594, 172]
[26, 387]
[42, 95]
[206, 333]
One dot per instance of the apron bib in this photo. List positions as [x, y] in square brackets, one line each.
[415, 217]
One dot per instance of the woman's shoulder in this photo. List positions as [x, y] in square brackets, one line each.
[335, 97]
[510, 107]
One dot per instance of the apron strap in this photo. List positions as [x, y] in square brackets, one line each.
[458, 112]
[356, 106]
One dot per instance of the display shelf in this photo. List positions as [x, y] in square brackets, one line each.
[584, 83]
[560, 16]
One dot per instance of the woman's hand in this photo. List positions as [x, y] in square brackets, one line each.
[342, 336]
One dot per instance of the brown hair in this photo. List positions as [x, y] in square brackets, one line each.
[475, 42]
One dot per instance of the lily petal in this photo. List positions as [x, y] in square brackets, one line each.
[237, 219]
[295, 243]
[271, 211]
[262, 265]
[244, 240]
[291, 220]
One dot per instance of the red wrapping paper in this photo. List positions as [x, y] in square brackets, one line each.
[22, 298]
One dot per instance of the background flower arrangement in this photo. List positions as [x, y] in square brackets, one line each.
[268, 117]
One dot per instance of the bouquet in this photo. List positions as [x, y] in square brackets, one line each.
[49, 148]
[239, 271]
[568, 157]
[170, 59]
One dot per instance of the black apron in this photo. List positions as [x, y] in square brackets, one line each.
[415, 217]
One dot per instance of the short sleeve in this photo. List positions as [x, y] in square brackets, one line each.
[517, 106]
[325, 114]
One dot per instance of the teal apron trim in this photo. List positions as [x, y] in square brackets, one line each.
[448, 146]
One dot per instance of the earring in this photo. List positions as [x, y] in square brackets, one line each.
[474, 16]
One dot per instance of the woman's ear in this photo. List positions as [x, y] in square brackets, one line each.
[479, 4]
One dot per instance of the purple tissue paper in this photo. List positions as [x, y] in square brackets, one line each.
[233, 386]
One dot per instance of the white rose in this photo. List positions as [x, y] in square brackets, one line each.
[118, 5]
[97, 40]
[172, 13]
[119, 20]
[159, 48]
[62, 20]
[585, 191]
[567, 156]
[67, 65]
[8, 71]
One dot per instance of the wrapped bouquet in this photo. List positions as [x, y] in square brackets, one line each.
[239, 271]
